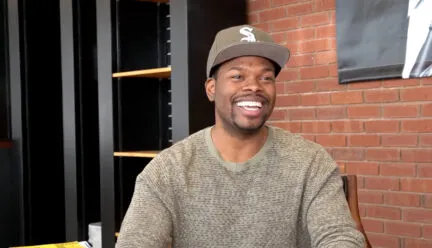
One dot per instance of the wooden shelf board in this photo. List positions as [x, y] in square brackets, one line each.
[139, 154]
[164, 72]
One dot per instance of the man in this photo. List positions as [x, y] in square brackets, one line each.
[241, 183]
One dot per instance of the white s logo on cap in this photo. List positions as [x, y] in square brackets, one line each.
[247, 32]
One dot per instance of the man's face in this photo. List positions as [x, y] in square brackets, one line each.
[244, 93]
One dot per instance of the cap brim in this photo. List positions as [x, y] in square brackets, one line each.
[271, 51]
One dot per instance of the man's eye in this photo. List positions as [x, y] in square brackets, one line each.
[268, 78]
[236, 77]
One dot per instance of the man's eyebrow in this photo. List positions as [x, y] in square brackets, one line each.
[236, 68]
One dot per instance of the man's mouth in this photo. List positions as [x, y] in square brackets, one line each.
[249, 105]
[250, 108]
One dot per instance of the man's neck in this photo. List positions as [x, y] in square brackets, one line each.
[238, 148]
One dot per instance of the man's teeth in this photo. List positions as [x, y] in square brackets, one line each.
[249, 104]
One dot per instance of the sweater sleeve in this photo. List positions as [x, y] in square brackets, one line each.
[329, 220]
[147, 222]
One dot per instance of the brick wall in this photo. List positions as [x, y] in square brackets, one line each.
[380, 130]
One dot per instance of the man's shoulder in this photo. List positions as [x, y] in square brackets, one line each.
[173, 158]
[184, 148]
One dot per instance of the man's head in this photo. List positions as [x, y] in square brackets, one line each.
[241, 68]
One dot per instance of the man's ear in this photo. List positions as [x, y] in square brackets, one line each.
[210, 85]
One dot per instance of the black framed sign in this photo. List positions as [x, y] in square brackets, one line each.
[382, 39]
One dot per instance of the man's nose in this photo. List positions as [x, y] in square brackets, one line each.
[253, 84]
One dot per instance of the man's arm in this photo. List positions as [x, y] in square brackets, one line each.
[147, 223]
[328, 217]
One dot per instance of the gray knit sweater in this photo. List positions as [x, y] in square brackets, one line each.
[288, 195]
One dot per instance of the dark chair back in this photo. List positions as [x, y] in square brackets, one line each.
[350, 189]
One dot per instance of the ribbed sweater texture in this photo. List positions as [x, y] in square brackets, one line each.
[288, 195]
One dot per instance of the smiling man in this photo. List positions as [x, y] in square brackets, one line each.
[241, 183]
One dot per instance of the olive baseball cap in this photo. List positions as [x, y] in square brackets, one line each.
[245, 40]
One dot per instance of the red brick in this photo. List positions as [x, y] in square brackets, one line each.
[299, 9]
[351, 154]
[424, 170]
[316, 127]
[333, 69]
[398, 169]
[427, 232]
[341, 166]
[381, 95]
[333, 17]
[300, 34]
[326, 57]
[326, 31]
[364, 111]
[390, 213]
[427, 110]
[309, 137]
[426, 140]
[280, 87]
[362, 168]
[370, 197]
[325, 4]
[403, 229]
[371, 225]
[331, 140]
[418, 215]
[284, 24]
[288, 75]
[416, 185]
[263, 25]
[314, 72]
[417, 243]
[382, 126]
[416, 94]
[400, 83]
[381, 240]
[402, 199]
[426, 201]
[278, 114]
[279, 38]
[383, 154]
[302, 114]
[288, 100]
[329, 84]
[417, 155]
[314, 99]
[272, 14]
[421, 126]
[331, 113]
[315, 46]
[299, 87]
[301, 60]
[282, 2]
[294, 127]
[258, 5]
[382, 183]
[347, 126]
[400, 111]
[347, 97]
[426, 81]
[399, 140]
[253, 18]
[365, 140]
[315, 19]
[365, 85]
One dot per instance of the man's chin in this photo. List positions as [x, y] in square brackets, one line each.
[249, 128]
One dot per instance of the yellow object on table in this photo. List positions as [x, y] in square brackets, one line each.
[75, 244]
